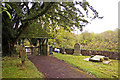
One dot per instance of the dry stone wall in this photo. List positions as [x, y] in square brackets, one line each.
[111, 55]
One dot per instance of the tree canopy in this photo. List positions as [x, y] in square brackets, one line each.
[20, 15]
[105, 41]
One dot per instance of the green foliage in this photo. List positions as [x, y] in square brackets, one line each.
[12, 68]
[48, 14]
[98, 69]
[5, 9]
[35, 31]
[106, 41]
[27, 43]
[62, 39]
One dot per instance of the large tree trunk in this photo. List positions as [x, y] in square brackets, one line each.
[7, 48]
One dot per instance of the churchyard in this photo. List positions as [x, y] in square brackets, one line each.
[39, 41]
[99, 69]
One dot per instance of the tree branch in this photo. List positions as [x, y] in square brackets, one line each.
[27, 23]
[43, 12]
[21, 31]
[26, 4]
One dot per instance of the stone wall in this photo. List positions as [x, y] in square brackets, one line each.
[69, 51]
[111, 55]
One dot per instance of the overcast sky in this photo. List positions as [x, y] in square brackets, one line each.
[108, 9]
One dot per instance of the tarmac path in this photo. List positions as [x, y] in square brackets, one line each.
[52, 67]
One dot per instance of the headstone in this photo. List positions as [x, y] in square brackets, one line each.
[77, 50]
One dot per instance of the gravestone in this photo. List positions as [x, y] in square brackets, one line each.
[77, 50]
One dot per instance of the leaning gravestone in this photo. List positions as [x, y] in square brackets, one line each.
[77, 50]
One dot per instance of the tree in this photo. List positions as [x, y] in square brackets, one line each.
[62, 39]
[106, 41]
[63, 14]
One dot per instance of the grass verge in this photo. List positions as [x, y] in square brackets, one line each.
[12, 68]
[98, 69]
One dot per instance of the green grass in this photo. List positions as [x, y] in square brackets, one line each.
[97, 69]
[12, 68]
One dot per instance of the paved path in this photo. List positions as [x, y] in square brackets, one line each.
[52, 67]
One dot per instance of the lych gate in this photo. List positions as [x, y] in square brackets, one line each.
[42, 37]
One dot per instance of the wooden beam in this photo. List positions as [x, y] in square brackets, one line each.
[46, 47]
[43, 46]
[40, 46]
